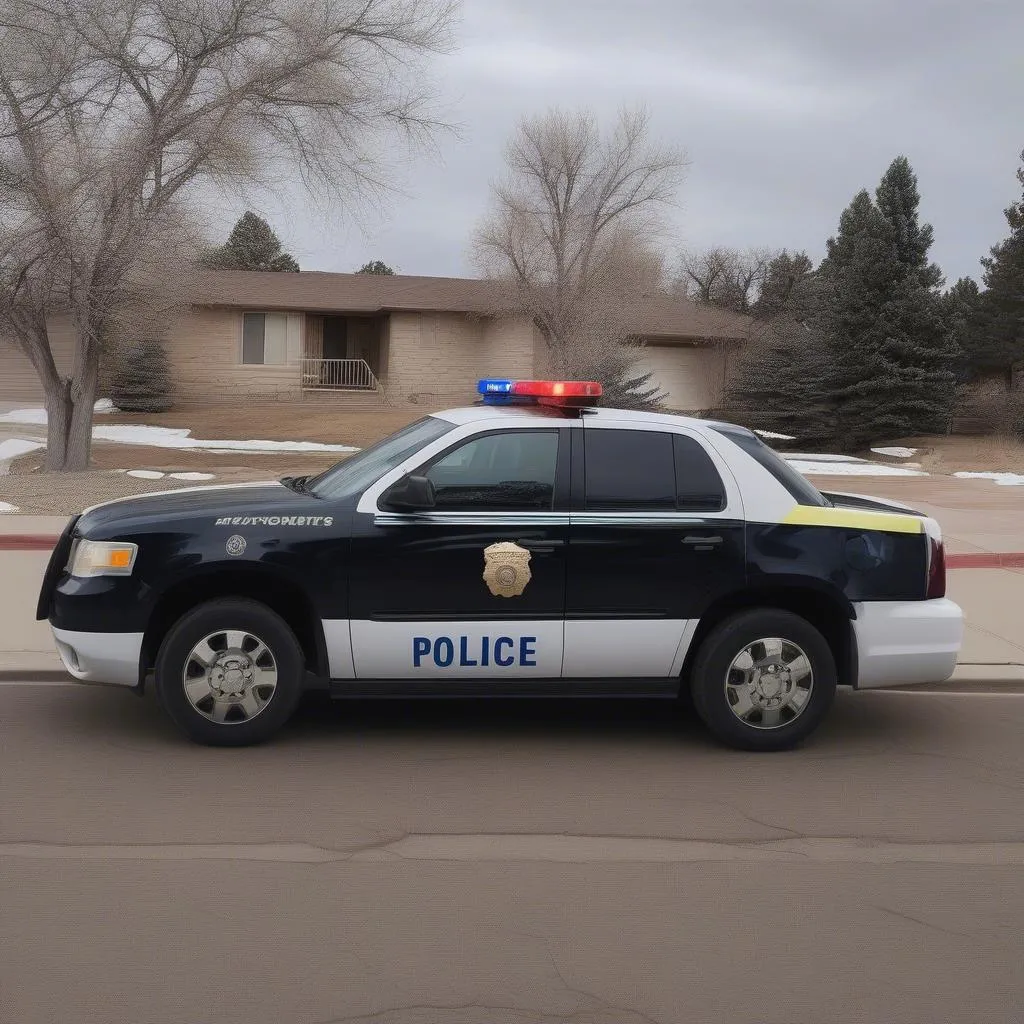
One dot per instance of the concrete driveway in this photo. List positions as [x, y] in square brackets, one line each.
[480, 864]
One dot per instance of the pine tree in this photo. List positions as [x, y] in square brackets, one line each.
[143, 380]
[780, 381]
[252, 245]
[786, 273]
[961, 309]
[1000, 342]
[898, 198]
[376, 267]
[891, 353]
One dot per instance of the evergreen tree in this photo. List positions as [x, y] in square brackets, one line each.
[252, 245]
[891, 354]
[143, 380]
[898, 198]
[961, 310]
[780, 382]
[376, 267]
[785, 275]
[1000, 341]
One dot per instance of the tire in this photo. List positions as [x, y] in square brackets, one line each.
[733, 670]
[230, 673]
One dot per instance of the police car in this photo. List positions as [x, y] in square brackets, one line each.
[532, 544]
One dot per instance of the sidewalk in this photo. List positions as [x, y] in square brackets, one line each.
[992, 655]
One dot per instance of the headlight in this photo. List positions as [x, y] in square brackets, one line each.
[102, 558]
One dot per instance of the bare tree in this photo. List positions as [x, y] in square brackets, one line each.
[120, 120]
[729, 278]
[573, 228]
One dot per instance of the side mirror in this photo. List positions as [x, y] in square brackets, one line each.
[411, 493]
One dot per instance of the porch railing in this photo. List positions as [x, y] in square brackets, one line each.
[339, 375]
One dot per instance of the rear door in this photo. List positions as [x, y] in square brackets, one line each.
[656, 536]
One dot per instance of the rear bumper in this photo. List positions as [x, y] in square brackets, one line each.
[111, 658]
[904, 642]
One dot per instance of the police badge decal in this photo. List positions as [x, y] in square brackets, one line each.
[506, 569]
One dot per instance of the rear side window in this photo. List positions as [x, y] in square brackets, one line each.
[629, 470]
[647, 470]
[801, 489]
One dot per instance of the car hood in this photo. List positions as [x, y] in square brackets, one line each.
[259, 504]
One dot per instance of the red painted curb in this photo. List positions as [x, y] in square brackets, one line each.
[973, 560]
[986, 560]
[26, 542]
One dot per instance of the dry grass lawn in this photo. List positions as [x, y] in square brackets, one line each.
[279, 421]
[953, 454]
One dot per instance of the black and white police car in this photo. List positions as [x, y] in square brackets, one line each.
[532, 544]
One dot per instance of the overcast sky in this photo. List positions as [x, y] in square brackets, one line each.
[785, 108]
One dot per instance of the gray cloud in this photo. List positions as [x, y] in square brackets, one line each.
[785, 109]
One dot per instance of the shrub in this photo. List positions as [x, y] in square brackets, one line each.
[143, 380]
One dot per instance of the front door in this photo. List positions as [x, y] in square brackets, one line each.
[657, 535]
[474, 588]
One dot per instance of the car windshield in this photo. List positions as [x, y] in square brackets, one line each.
[355, 474]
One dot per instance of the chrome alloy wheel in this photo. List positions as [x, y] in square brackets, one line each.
[230, 676]
[768, 685]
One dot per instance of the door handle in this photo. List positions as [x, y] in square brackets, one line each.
[540, 546]
[703, 543]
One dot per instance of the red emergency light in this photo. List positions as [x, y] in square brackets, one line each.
[564, 393]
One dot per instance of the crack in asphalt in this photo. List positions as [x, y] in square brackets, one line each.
[546, 848]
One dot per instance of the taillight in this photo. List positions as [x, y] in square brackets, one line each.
[936, 568]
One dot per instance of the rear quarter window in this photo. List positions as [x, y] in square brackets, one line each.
[801, 489]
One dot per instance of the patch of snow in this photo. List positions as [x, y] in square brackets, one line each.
[772, 436]
[825, 457]
[38, 416]
[179, 438]
[32, 416]
[13, 448]
[1002, 479]
[896, 452]
[859, 468]
[145, 474]
[191, 476]
[5, 507]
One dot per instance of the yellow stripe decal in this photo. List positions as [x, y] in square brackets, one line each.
[853, 519]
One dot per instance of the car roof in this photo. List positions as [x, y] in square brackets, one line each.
[510, 413]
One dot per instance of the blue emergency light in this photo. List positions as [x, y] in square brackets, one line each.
[566, 393]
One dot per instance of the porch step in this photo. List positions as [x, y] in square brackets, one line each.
[347, 399]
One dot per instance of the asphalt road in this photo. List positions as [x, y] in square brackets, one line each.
[481, 864]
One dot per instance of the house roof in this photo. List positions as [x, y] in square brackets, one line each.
[659, 316]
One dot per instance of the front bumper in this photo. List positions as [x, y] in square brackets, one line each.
[904, 642]
[112, 658]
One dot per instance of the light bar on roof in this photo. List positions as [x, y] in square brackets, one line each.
[566, 393]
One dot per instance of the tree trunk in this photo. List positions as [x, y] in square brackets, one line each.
[59, 405]
[79, 438]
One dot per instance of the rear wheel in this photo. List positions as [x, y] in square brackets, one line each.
[763, 680]
[229, 673]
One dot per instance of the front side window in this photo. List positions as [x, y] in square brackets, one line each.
[513, 471]
[264, 339]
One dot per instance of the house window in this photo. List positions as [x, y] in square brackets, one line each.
[264, 339]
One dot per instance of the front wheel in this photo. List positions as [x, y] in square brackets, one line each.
[229, 673]
[763, 680]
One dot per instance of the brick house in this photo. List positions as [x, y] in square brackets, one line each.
[396, 339]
